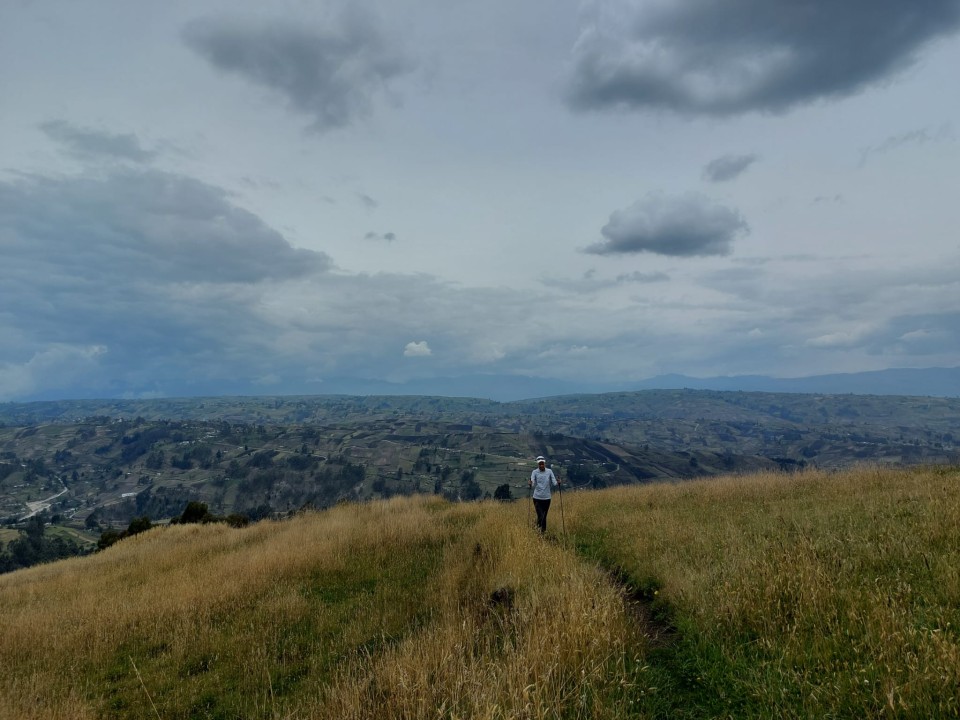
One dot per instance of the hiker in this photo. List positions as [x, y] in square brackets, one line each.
[541, 481]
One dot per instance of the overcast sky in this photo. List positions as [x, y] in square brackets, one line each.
[235, 196]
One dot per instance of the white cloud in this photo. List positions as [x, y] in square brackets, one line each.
[847, 338]
[417, 349]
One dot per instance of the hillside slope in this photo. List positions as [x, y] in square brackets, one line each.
[808, 595]
[105, 472]
[821, 429]
[391, 609]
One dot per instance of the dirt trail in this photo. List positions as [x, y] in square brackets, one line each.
[38, 506]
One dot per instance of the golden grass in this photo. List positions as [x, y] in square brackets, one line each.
[815, 595]
[818, 595]
[522, 630]
[380, 610]
[192, 606]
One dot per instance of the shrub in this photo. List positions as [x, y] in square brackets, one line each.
[194, 512]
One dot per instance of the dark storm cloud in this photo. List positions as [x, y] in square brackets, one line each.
[735, 56]
[685, 226]
[331, 73]
[153, 225]
[145, 261]
[727, 167]
[126, 283]
[131, 278]
[87, 144]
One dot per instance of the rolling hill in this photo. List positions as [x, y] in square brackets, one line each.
[769, 595]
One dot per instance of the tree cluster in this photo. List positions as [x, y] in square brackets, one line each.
[34, 546]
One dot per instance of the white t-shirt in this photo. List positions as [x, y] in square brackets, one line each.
[542, 481]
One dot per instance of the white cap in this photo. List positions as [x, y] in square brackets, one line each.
[541, 458]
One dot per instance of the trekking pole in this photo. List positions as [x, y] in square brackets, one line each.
[529, 502]
[563, 521]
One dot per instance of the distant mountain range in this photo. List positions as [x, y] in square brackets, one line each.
[934, 382]
[924, 382]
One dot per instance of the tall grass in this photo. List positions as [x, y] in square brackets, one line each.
[818, 595]
[218, 622]
[815, 595]
[521, 630]
[408, 608]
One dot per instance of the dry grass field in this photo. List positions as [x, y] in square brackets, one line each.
[814, 595]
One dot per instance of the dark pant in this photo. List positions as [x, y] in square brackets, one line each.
[542, 507]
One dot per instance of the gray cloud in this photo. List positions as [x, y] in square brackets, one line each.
[914, 335]
[159, 226]
[133, 278]
[147, 283]
[851, 311]
[914, 137]
[386, 237]
[55, 368]
[368, 202]
[924, 334]
[332, 74]
[723, 58]
[727, 167]
[641, 277]
[590, 282]
[684, 226]
[112, 285]
[827, 199]
[87, 144]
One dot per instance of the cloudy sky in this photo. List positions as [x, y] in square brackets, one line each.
[228, 196]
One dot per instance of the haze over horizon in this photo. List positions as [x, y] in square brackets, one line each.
[231, 197]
